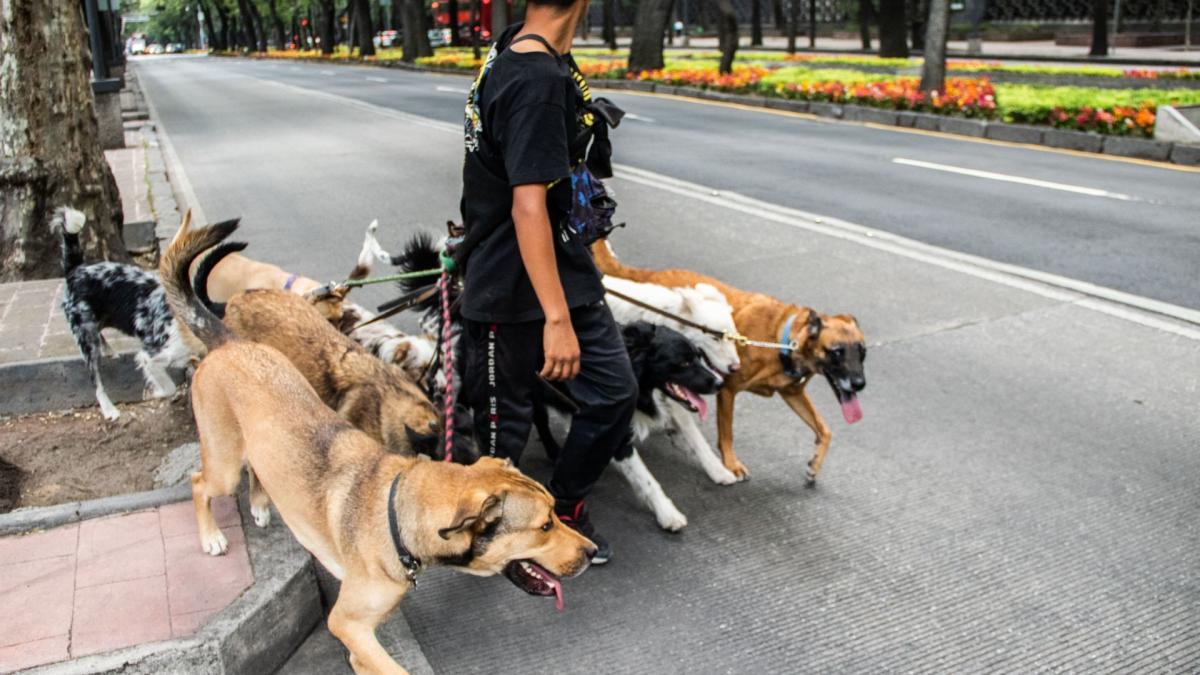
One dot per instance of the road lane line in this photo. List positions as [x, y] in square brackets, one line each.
[1102, 300]
[640, 118]
[1003, 177]
[327, 72]
[451, 90]
[372, 78]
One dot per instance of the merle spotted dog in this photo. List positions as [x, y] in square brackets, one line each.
[128, 298]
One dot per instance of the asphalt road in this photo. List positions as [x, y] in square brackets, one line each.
[1021, 495]
[1147, 244]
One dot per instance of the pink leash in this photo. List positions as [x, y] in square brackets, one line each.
[448, 365]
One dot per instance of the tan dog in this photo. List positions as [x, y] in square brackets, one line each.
[830, 345]
[376, 397]
[372, 518]
[228, 273]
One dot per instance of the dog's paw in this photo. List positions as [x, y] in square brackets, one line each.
[810, 475]
[162, 392]
[739, 470]
[215, 544]
[262, 515]
[722, 476]
[671, 520]
[110, 412]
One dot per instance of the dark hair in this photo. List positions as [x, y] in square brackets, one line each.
[561, 4]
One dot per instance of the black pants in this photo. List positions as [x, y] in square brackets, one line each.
[499, 367]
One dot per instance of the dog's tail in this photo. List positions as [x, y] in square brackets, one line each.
[420, 253]
[206, 267]
[192, 313]
[607, 263]
[371, 253]
[69, 223]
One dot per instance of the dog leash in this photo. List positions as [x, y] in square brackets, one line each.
[734, 336]
[394, 307]
[447, 362]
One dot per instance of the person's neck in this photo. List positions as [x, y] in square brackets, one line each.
[557, 27]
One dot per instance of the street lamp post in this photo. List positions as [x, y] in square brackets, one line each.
[812, 24]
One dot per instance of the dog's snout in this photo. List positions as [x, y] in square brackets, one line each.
[735, 367]
[591, 551]
[858, 382]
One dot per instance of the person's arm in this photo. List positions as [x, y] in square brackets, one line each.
[536, 243]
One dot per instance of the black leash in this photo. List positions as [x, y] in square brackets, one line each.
[411, 563]
[394, 307]
[662, 312]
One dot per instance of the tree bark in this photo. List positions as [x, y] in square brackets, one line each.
[223, 14]
[260, 33]
[452, 9]
[646, 51]
[866, 12]
[249, 39]
[476, 28]
[363, 30]
[50, 140]
[500, 17]
[793, 24]
[1099, 28]
[276, 25]
[893, 41]
[214, 38]
[609, 31]
[778, 16]
[919, 13]
[416, 37]
[727, 34]
[756, 23]
[933, 69]
[327, 18]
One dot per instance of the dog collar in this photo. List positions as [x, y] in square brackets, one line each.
[411, 563]
[785, 353]
[287, 285]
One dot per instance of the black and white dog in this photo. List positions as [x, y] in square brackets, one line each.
[125, 297]
[670, 371]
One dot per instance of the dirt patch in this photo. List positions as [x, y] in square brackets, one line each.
[51, 458]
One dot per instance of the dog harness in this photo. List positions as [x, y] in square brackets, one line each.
[287, 285]
[785, 353]
[411, 563]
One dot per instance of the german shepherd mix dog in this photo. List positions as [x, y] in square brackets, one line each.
[374, 519]
[374, 396]
[671, 374]
[125, 297]
[830, 345]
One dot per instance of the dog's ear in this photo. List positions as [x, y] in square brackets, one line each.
[476, 510]
[814, 324]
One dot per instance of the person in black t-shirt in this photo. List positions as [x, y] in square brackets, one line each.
[532, 301]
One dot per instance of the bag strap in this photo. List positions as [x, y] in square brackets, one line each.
[539, 38]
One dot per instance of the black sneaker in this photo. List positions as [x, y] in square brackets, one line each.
[575, 516]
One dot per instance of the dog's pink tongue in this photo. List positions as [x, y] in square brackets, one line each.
[851, 410]
[558, 596]
[694, 399]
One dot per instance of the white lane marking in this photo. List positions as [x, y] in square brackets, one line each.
[1103, 300]
[1050, 185]
[327, 72]
[372, 78]
[295, 69]
[452, 90]
[635, 116]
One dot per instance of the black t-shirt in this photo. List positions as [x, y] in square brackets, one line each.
[527, 128]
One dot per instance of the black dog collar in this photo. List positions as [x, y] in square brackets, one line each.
[412, 564]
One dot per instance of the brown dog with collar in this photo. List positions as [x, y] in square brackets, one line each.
[830, 345]
[373, 518]
[376, 397]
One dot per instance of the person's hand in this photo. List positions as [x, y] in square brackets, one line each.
[561, 350]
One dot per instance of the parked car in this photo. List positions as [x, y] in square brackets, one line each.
[439, 37]
[388, 38]
[137, 45]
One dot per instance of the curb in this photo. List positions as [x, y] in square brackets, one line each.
[61, 383]
[254, 634]
[46, 517]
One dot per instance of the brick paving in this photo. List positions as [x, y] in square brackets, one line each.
[33, 327]
[109, 583]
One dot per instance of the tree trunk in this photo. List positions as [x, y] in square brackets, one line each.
[476, 29]
[276, 25]
[646, 51]
[260, 33]
[327, 18]
[500, 17]
[223, 15]
[363, 30]
[52, 155]
[248, 38]
[609, 32]
[933, 69]
[1099, 28]
[416, 38]
[452, 9]
[780, 19]
[919, 13]
[214, 38]
[756, 23]
[893, 42]
[793, 24]
[866, 11]
[727, 34]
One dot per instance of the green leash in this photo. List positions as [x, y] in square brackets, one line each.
[355, 283]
